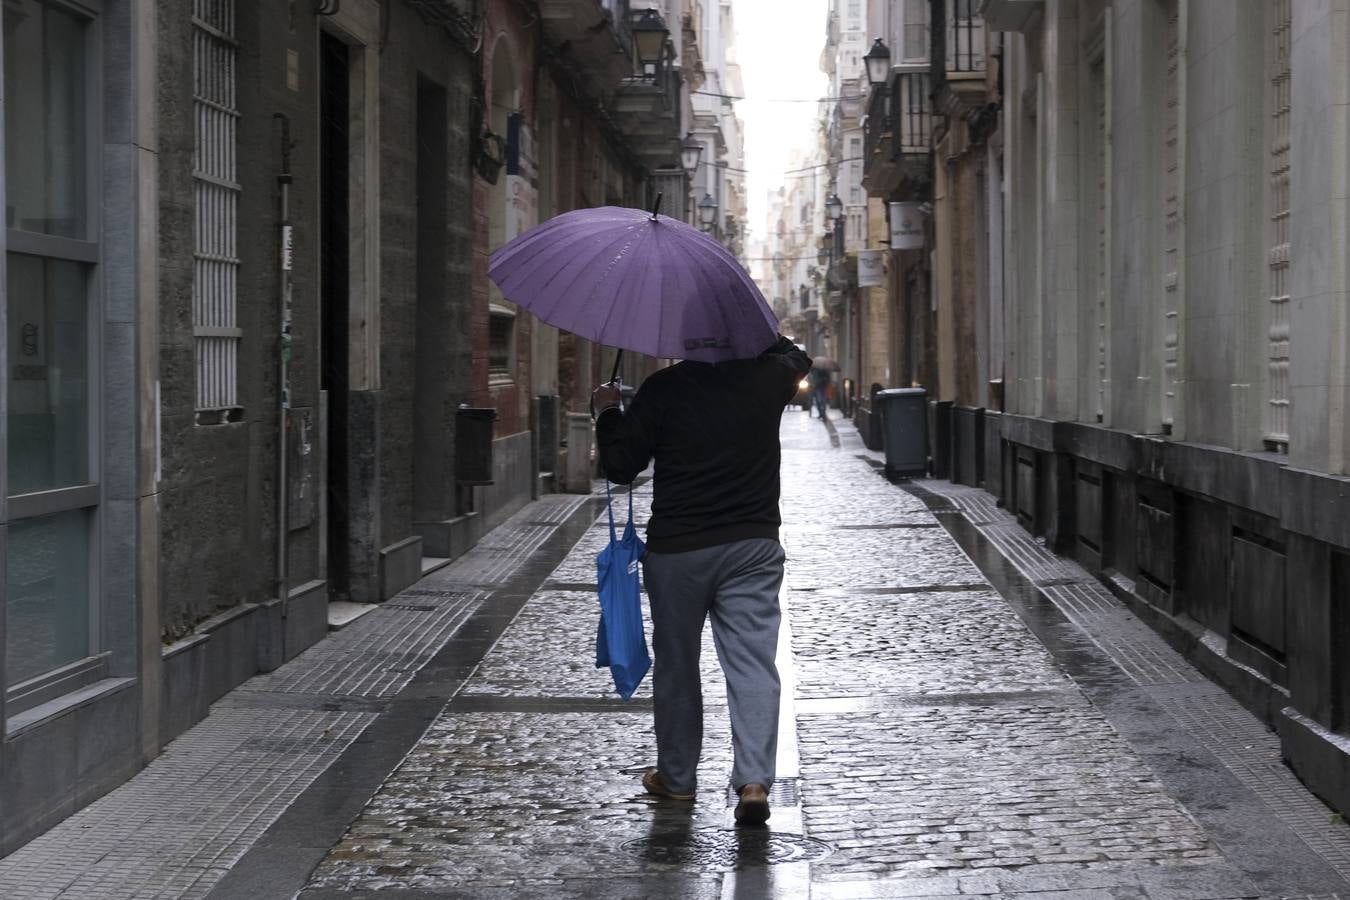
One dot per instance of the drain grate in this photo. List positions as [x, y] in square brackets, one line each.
[724, 849]
[412, 607]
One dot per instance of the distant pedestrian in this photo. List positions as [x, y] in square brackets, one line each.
[712, 550]
[820, 385]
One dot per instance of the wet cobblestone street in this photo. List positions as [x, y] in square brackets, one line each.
[964, 714]
[932, 746]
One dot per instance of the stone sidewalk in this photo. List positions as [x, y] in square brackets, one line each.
[964, 715]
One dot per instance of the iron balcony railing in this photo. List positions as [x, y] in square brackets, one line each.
[899, 118]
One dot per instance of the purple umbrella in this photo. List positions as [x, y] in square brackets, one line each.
[638, 281]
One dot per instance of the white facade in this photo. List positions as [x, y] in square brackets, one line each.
[721, 175]
[1172, 266]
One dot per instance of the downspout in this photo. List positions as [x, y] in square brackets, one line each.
[284, 359]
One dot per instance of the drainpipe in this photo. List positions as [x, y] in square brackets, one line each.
[286, 249]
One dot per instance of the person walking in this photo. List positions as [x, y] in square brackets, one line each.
[820, 382]
[712, 551]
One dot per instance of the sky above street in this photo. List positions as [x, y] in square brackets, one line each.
[778, 43]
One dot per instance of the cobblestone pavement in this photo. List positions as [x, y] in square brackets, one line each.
[935, 745]
[965, 715]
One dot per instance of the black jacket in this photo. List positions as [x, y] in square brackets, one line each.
[713, 431]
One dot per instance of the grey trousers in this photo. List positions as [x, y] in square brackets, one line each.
[737, 584]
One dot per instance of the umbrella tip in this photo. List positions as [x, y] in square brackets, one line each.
[657, 205]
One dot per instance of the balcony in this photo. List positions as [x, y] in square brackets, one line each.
[897, 136]
[455, 16]
[647, 110]
[593, 39]
[963, 88]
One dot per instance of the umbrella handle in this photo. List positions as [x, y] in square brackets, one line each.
[618, 358]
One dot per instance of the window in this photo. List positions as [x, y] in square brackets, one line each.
[51, 229]
[854, 9]
[1171, 202]
[916, 30]
[856, 230]
[1278, 76]
[216, 194]
[501, 343]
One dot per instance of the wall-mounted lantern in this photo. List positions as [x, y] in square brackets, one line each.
[691, 149]
[650, 34]
[878, 62]
[834, 208]
[491, 156]
[707, 211]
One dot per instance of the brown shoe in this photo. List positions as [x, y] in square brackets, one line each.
[654, 784]
[753, 807]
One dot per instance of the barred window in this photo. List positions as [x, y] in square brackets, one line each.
[215, 190]
[1278, 76]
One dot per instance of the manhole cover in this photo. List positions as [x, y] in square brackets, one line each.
[727, 848]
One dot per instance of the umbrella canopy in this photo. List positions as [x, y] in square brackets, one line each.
[824, 363]
[632, 279]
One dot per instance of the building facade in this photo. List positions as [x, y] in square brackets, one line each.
[1139, 337]
[254, 365]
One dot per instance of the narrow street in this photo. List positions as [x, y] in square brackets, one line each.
[949, 728]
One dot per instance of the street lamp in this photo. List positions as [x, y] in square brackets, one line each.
[650, 33]
[834, 208]
[878, 62]
[707, 211]
[690, 151]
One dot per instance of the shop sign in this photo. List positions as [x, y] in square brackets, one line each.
[871, 268]
[907, 220]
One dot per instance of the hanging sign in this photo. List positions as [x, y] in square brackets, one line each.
[907, 220]
[871, 268]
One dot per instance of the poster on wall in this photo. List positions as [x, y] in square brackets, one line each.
[871, 268]
[522, 178]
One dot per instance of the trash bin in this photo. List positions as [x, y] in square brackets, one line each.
[473, 444]
[904, 427]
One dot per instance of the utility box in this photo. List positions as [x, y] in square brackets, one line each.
[904, 427]
[473, 444]
[578, 472]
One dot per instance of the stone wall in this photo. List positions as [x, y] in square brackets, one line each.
[1230, 541]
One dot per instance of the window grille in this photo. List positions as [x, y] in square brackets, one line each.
[965, 36]
[1278, 70]
[1171, 217]
[216, 200]
[1101, 271]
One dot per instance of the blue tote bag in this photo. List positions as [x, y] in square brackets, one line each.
[620, 642]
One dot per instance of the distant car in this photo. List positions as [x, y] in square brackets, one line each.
[803, 398]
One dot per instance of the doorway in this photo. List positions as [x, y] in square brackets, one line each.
[335, 300]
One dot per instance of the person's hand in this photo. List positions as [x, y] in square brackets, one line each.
[606, 396]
